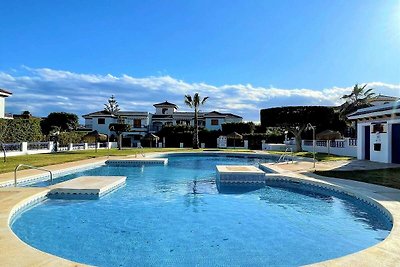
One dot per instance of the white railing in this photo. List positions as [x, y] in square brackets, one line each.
[38, 145]
[12, 147]
[27, 148]
[341, 147]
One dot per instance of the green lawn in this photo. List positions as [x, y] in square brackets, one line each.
[385, 177]
[40, 160]
[318, 156]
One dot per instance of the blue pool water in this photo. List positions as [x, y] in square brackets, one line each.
[174, 216]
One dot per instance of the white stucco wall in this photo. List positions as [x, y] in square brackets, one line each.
[385, 139]
[88, 123]
[214, 127]
[102, 128]
[143, 122]
[2, 106]
[169, 110]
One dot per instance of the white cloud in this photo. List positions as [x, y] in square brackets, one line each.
[43, 90]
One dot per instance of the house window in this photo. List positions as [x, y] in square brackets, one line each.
[101, 121]
[378, 128]
[214, 122]
[137, 123]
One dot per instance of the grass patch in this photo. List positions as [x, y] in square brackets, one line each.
[318, 156]
[40, 160]
[385, 177]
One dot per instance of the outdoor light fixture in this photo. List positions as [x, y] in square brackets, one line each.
[309, 127]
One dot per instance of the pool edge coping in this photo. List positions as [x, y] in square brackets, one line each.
[381, 253]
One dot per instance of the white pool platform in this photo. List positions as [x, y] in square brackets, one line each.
[86, 187]
[234, 174]
[137, 162]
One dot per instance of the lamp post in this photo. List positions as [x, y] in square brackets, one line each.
[309, 126]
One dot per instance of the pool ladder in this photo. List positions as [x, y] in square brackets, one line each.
[142, 151]
[30, 167]
[284, 156]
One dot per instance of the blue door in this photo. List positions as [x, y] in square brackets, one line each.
[396, 143]
[367, 142]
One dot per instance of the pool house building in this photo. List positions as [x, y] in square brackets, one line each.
[166, 114]
[3, 95]
[378, 132]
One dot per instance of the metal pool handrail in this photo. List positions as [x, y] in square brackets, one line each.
[142, 151]
[288, 151]
[30, 167]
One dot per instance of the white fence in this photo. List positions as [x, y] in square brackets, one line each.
[28, 148]
[341, 147]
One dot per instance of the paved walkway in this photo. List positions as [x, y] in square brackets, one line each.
[340, 165]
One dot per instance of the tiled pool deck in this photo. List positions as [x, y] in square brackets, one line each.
[14, 252]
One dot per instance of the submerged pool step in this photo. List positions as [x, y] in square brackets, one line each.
[86, 187]
[237, 174]
[137, 162]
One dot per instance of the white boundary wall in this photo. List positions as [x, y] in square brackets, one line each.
[29, 148]
[339, 147]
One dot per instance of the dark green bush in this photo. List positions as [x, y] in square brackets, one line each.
[174, 135]
[20, 130]
[66, 138]
[62, 121]
[239, 127]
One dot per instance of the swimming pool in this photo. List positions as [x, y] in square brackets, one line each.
[174, 215]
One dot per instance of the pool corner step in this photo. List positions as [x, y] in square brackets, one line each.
[137, 162]
[86, 187]
[238, 174]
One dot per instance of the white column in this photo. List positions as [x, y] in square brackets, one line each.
[24, 147]
[85, 146]
[50, 146]
[70, 146]
[246, 144]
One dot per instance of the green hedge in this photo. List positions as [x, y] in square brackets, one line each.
[66, 138]
[174, 135]
[239, 127]
[20, 130]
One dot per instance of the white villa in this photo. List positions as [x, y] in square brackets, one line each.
[145, 122]
[3, 95]
[378, 132]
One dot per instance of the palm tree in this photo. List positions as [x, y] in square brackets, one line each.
[358, 98]
[195, 103]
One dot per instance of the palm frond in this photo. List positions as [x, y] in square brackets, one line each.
[188, 100]
[204, 100]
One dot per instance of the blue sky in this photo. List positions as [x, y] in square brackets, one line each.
[245, 55]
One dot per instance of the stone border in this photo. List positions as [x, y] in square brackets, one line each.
[56, 174]
[384, 253]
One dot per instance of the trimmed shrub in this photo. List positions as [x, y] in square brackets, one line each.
[174, 135]
[20, 130]
[239, 127]
[322, 117]
[66, 138]
[59, 120]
